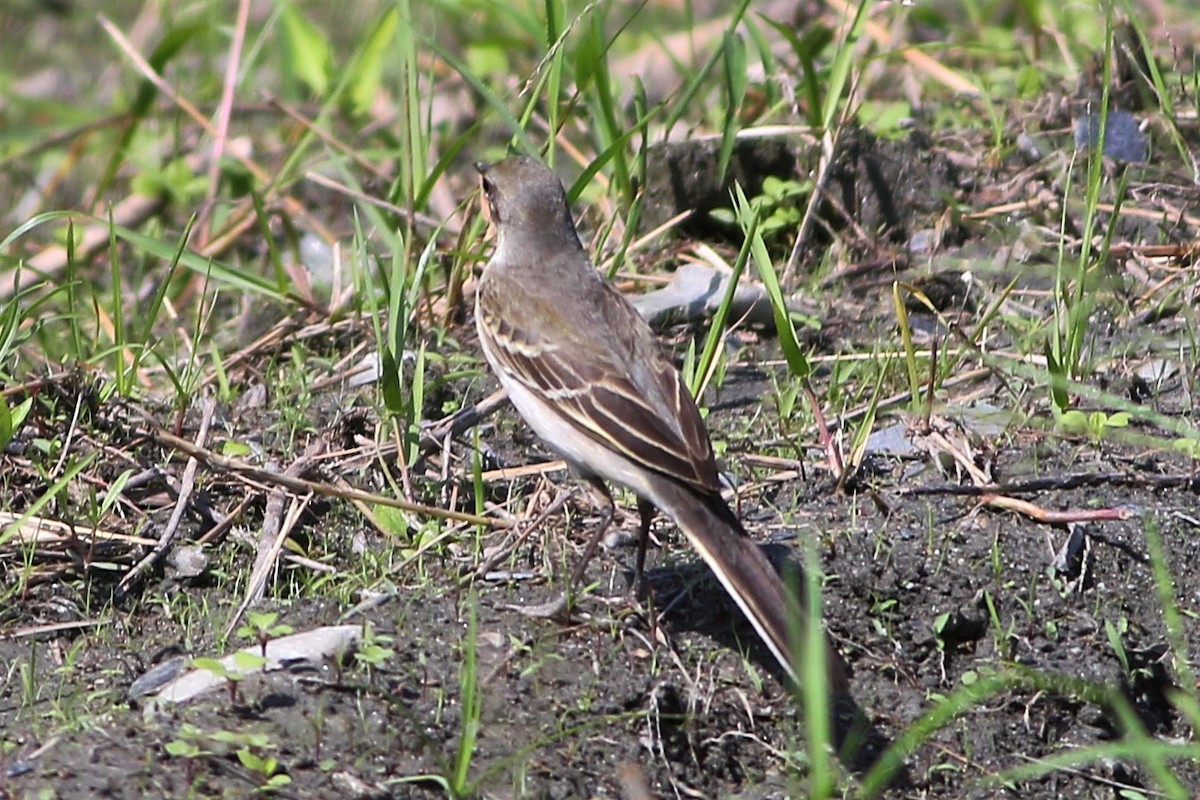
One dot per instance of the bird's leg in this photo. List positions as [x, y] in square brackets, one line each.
[562, 603]
[600, 493]
[646, 514]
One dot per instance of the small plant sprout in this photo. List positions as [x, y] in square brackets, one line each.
[261, 626]
[1094, 425]
[266, 766]
[188, 743]
[192, 743]
[372, 650]
[244, 663]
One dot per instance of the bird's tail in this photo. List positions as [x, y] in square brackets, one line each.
[747, 575]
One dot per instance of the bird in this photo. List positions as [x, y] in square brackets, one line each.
[587, 374]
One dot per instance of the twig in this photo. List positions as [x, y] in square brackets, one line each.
[186, 486]
[275, 530]
[1189, 481]
[55, 627]
[1036, 512]
[500, 553]
[460, 421]
[252, 473]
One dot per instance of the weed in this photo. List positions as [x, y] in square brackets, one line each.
[245, 148]
[262, 627]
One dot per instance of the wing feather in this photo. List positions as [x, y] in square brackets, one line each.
[631, 400]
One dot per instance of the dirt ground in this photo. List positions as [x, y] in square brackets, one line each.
[922, 595]
[931, 584]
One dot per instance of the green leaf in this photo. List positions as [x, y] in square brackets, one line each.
[232, 449]
[236, 279]
[367, 70]
[1114, 640]
[248, 662]
[1058, 379]
[184, 749]
[6, 425]
[390, 383]
[815, 40]
[1073, 421]
[797, 362]
[733, 50]
[588, 53]
[1189, 447]
[308, 51]
[214, 666]
[393, 520]
[487, 58]
[884, 119]
[262, 619]
[256, 763]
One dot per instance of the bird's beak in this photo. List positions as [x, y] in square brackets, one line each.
[482, 167]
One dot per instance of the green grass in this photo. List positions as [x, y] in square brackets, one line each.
[355, 131]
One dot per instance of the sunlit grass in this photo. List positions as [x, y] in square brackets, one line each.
[354, 130]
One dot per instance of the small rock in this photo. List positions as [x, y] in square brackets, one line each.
[1123, 140]
[188, 561]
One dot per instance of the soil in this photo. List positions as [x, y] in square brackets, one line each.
[922, 595]
[929, 587]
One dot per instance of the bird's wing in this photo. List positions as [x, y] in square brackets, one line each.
[632, 401]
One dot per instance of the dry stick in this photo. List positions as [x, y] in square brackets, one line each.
[364, 509]
[978, 476]
[1040, 514]
[401, 462]
[252, 473]
[824, 171]
[227, 522]
[1031, 510]
[38, 630]
[68, 440]
[433, 434]
[223, 115]
[36, 384]
[503, 552]
[1060, 483]
[447, 457]
[1175, 251]
[460, 421]
[40, 530]
[186, 486]
[274, 531]
[273, 337]
[274, 534]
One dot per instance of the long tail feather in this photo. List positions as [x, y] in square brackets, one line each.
[746, 574]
